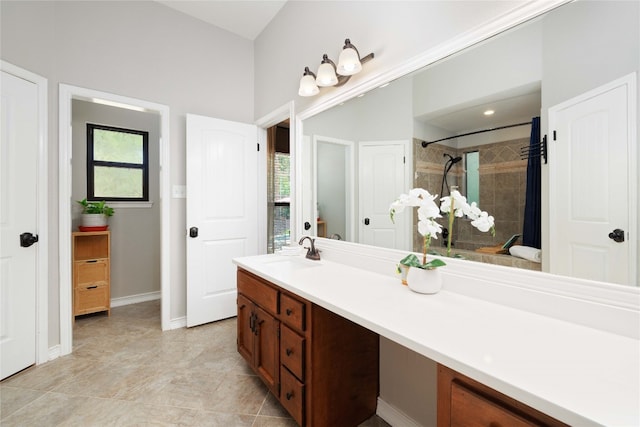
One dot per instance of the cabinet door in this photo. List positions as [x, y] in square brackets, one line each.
[245, 332]
[267, 349]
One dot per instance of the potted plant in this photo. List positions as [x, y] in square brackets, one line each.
[428, 228]
[454, 205]
[94, 214]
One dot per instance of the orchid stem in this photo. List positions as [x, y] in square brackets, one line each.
[451, 216]
[424, 250]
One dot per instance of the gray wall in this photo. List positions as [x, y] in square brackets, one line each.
[135, 232]
[140, 49]
[395, 31]
[594, 42]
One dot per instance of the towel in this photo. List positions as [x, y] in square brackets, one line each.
[526, 252]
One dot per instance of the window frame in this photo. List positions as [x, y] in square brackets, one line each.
[92, 163]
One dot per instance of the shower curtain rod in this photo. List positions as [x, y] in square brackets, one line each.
[425, 143]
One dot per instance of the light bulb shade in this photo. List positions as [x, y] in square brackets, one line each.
[326, 72]
[308, 85]
[349, 62]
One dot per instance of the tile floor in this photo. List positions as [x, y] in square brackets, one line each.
[125, 371]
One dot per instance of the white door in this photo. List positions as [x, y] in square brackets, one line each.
[591, 160]
[382, 178]
[18, 187]
[222, 217]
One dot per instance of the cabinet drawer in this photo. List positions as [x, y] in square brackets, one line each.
[469, 409]
[91, 299]
[257, 291]
[88, 272]
[292, 395]
[293, 312]
[292, 351]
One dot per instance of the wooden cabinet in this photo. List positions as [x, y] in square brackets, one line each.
[463, 402]
[91, 254]
[322, 367]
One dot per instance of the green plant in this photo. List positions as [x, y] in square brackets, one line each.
[95, 207]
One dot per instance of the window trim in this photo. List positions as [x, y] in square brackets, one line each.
[91, 164]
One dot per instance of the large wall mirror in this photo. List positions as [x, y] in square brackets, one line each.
[466, 121]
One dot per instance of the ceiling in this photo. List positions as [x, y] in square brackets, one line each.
[246, 18]
[512, 106]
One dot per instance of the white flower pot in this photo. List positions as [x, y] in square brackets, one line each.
[424, 281]
[93, 220]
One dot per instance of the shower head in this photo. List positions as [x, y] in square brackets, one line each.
[452, 159]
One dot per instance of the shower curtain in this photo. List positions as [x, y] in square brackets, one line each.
[532, 209]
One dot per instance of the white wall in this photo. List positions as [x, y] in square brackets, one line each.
[135, 232]
[139, 49]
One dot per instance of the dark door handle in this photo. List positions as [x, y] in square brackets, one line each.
[617, 235]
[366, 221]
[193, 232]
[307, 225]
[28, 239]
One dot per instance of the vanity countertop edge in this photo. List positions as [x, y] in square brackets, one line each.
[579, 375]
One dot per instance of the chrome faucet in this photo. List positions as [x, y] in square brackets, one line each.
[312, 252]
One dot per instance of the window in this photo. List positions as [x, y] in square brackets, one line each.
[278, 188]
[472, 165]
[117, 164]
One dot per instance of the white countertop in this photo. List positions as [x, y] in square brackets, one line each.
[579, 375]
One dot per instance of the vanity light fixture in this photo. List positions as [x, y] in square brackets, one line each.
[349, 63]
[308, 85]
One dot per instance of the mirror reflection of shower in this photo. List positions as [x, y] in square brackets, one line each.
[447, 167]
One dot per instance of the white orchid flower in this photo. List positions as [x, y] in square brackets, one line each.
[474, 211]
[484, 222]
[429, 228]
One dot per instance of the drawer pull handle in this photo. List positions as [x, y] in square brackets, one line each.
[92, 287]
[289, 395]
[92, 260]
[289, 311]
[289, 352]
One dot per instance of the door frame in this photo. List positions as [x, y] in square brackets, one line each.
[351, 190]
[67, 93]
[42, 203]
[278, 115]
[629, 81]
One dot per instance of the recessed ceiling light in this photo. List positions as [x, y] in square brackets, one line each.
[489, 112]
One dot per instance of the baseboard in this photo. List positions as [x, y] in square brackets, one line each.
[393, 416]
[177, 323]
[134, 299]
[54, 352]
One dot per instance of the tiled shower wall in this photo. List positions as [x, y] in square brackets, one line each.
[503, 182]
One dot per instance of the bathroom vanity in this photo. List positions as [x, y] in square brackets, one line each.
[322, 367]
[498, 358]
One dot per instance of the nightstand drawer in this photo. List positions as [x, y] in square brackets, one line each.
[292, 351]
[292, 312]
[88, 272]
[91, 299]
[292, 395]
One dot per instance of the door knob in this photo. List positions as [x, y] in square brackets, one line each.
[193, 232]
[28, 239]
[366, 221]
[617, 235]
